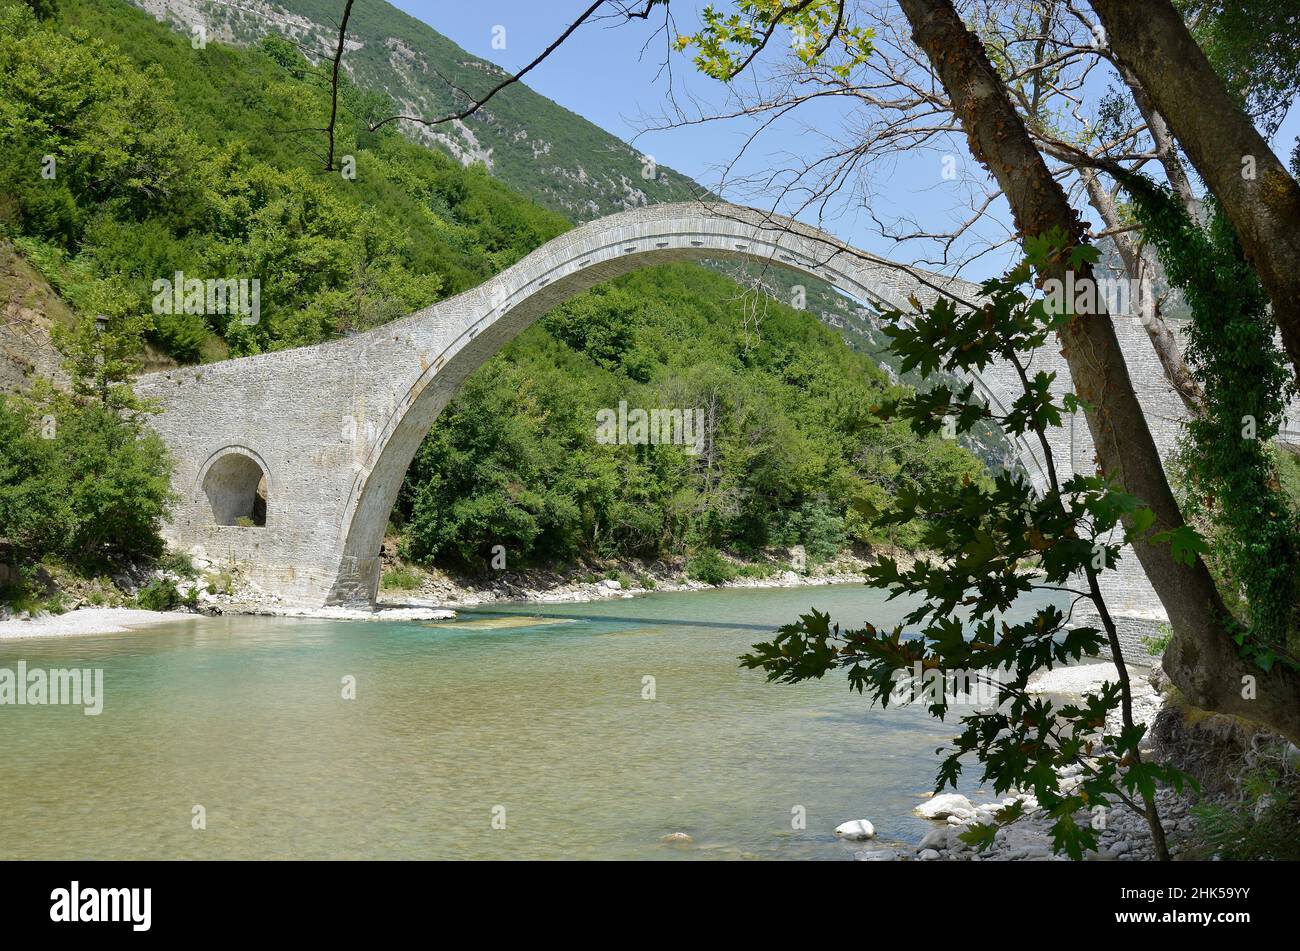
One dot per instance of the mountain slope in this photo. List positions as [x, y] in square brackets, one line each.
[538, 148]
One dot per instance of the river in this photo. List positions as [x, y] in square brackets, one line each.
[534, 717]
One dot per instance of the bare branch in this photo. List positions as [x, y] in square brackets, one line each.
[334, 87]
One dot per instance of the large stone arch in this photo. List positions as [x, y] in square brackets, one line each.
[339, 423]
[603, 250]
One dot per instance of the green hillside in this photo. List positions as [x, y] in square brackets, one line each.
[173, 159]
[538, 148]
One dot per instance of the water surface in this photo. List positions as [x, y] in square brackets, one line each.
[532, 711]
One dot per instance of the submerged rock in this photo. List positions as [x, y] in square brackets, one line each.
[875, 855]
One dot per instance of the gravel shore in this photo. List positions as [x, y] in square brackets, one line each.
[87, 621]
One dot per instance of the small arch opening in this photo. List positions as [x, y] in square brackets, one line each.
[237, 489]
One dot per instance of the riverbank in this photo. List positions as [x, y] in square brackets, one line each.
[91, 620]
[85, 621]
[1123, 835]
[424, 594]
[619, 578]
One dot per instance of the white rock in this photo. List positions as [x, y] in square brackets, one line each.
[949, 804]
[87, 621]
[935, 839]
[856, 829]
[928, 855]
[609, 584]
[677, 837]
[1077, 679]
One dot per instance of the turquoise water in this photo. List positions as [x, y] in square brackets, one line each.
[531, 713]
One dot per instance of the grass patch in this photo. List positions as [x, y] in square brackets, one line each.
[1155, 644]
[401, 579]
[221, 582]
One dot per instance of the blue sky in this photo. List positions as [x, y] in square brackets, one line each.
[603, 73]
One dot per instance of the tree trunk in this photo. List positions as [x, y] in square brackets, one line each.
[1202, 660]
[1257, 194]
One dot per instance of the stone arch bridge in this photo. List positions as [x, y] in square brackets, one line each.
[289, 463]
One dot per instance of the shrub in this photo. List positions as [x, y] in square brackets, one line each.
[710, 567]
[178, 563]
[117, 476]
[34, 512]
[159, 595]
[80, 482]
[818, 528]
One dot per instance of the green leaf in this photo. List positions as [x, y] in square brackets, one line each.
[1185, 542]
